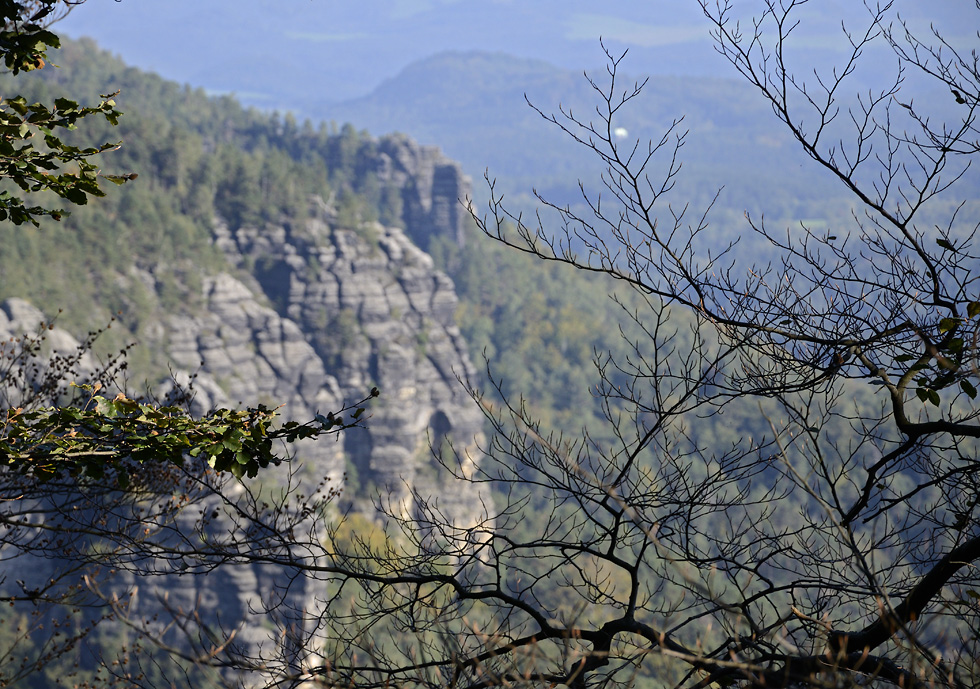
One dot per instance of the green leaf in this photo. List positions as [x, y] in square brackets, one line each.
[973, 309]
[117, 179]
[17, 104]
[46, 37]
[65, 104]
[76, 196]
[945, 244]
[969, 389]
[947, 324]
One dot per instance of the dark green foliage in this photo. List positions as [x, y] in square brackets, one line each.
[33, 156]
[197, 158]
[539, 327]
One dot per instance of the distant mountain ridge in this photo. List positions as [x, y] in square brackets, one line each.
[475, 105]
[289, 55]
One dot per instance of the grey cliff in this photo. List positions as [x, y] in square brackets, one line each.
[309, 316]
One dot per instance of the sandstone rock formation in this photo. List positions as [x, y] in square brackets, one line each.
[309, 316]
[314, 317]
[434, 189]
[347, 313]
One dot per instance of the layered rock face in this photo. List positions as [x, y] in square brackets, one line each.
[309, 317]
[434, 189]
[314, 315]
[347, 313]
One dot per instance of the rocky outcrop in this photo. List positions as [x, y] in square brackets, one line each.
[41, 361]
[318, 316]
[309, 317]
[433, 187]
[313, 318]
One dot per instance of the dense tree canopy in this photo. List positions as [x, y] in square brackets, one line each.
[93, 434]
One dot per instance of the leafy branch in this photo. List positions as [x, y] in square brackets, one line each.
[118, 435]
[32, 155]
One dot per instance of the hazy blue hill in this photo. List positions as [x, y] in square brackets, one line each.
[473, 105]
[290, 54]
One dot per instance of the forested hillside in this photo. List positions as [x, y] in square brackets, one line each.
[257, 255]
[198, 157]
[142, 253]
[201, 158]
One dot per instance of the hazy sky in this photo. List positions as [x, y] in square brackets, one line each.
[347, 48]
[275, 53]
